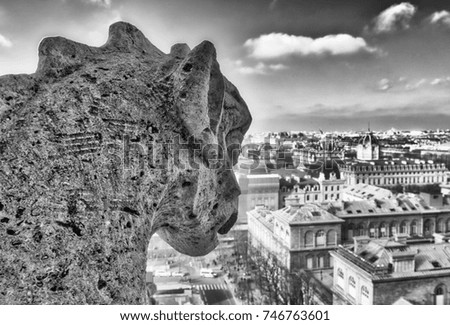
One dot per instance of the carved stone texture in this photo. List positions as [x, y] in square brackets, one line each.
[101, 148]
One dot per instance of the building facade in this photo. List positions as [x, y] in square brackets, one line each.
[382, 272]
[409, 215]
[257, 190]
[295, 191]
[303, 236]
[388, 173]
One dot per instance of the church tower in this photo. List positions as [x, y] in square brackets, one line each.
[368, 147]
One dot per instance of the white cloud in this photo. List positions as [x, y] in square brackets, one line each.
[275, 45]
[418, 84]
[441, 17]
[277, 67]
[102, 3]
[396, 17]
[5, 42]
[440, 81]
[384, 84]
[402, 84]
[259, 69]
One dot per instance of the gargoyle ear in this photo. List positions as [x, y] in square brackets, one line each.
[200, 92]
[59, 56]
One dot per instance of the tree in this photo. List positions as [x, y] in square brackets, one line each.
[276, 283]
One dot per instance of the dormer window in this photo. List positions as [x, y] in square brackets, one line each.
[436, 264]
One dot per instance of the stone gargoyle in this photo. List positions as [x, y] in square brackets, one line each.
[99, 149]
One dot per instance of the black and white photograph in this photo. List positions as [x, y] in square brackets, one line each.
[240, 152]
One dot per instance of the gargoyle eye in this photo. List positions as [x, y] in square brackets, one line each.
[186, 184]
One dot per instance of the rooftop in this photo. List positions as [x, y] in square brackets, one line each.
[368, 138]
[392, 162]
[375, 257]
[302, 182]
[403, 203]
[263, 216]
[307, 214]
[366, 191]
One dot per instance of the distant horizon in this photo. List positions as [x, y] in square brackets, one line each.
[349, 130]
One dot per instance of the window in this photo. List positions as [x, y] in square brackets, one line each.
[360, 231]
[340, 278]
[404, 227]
[440, 294]
[350, 230]
[373, 231]
[428, 227]
[394, 228]
[352, 286]
[413, 228]
[309, 262]
[321, 261]
[320, 238]
[309, 239]
[331, 237]
[436, 264]
[365, 295]
[383, 231]
[351, 281]
[441, 225]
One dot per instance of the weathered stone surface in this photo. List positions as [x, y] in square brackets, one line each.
[97, 154]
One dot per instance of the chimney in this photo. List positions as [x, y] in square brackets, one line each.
[400, 238]
[359, 242]
[440, 238]
[403, 261]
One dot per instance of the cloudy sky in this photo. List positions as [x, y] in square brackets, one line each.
[300, 65]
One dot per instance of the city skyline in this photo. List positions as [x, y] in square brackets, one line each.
[300, 65]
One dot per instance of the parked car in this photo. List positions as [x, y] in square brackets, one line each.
[162, 273]
[208, 273]
[180, 273]
[186, 278]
